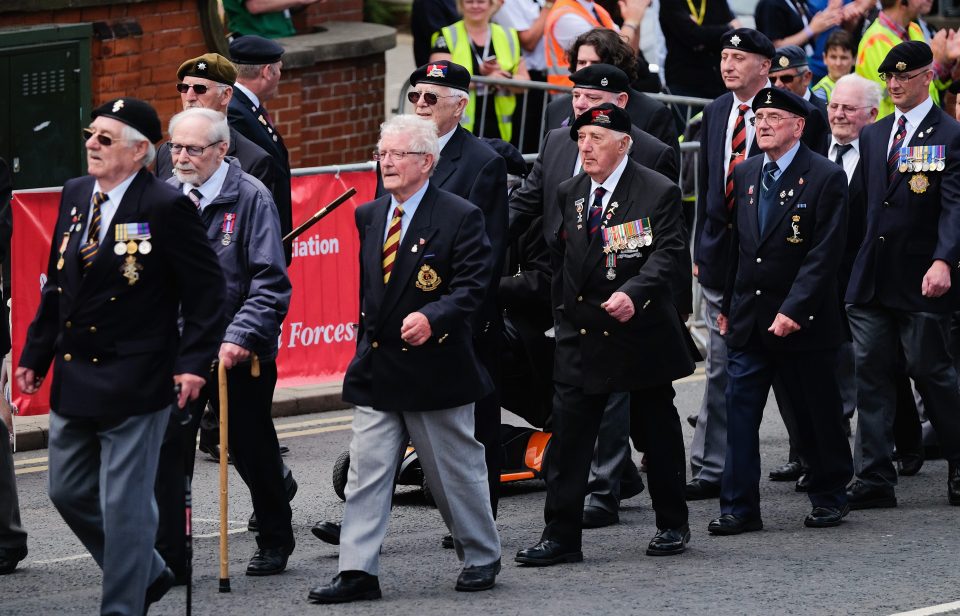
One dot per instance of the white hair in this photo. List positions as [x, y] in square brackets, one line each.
[218, 130]
[870, 91]
[129, 133]
[420, 133]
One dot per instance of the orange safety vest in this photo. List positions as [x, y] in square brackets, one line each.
[558, 66]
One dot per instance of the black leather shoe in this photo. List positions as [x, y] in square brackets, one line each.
[328, 532]
[284, 450]
[9, 557]
[211, 450]
[698, 489]
[480, 577]
[825, 517]
[597, 517]
[953, 484]
[446, 542]
[548, 552]
[347, 586]
[729, 524]
[629, 489]
[803, 483]
[692, 420]
[790, 471]
[158, 588]
[669, 541]
[909, 464]
[268, 561]
[863, 496]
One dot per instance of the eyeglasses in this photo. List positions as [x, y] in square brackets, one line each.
[428, 97]
[784, 79]
[901, 77]
[773, 120]
[198, 88]
[835, 107]
[192, 150]
[379, 155]
[101, 138]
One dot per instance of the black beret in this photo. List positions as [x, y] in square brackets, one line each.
[135, 113]
[777, 98]
[907, 56]
[601, 77]
[442, 73]
[606, 115]
[749, 40]
[252, 49]
[210, 66]
[790, 56]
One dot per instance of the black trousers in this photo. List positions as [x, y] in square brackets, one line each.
[255, 452]
[486, 412]
[576, 421]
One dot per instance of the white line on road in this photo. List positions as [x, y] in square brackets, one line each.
[943, 608]
[65, 559]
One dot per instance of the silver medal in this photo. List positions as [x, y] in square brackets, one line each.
[120, 249]
[226, 239]
[611, 274]
[145, 247]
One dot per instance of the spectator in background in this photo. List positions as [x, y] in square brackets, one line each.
[489, 50]
[838, 57]
[426, 17]
[793, 22]
[268, 18]
[694, 35]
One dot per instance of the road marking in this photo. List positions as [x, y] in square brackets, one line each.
[66, 559]
[30, 469]
[314, 422]
[29, 461]
[313, 431]
[933, 609]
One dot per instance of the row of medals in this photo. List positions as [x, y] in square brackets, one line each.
[913, 165]
[132, 247]
[632, 243]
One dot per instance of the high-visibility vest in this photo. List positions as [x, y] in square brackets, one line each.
[826, 84]
[876, 43]
[506, 46]
[558, 67]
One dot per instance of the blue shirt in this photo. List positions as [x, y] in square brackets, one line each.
[409, 209]
[784, 161]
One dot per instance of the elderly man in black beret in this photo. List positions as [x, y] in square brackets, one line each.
[904, 283]
[779, 315]
[620, 246]
[129, 256]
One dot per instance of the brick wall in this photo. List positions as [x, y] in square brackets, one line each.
[328, 10]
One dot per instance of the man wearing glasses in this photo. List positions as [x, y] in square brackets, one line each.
[243, 229]
[128, 258]
[789, 70]
[903, 287]
[780, 318]
[425, 267]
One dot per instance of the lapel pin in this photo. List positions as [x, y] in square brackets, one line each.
[413, 248]
[800, 182]
[790, 194]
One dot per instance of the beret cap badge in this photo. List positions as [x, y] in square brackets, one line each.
[901, 66]
[784, 62]
[769, 95]
[734, 40]
[604, 81]
[436, 70]
[600, 116]
[118, 105]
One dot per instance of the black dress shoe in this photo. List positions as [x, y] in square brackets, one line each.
[698, 489]
[790, 471]
[863, 496]
[729, 524]
[629, 489]
[692, 420]
[825, 517]
[284, 450]
[548, 552]
[158, 588]
[9, 557]
[909, 464]
[803, 483]
[347, 586]
[212, 450]
[328, 532]
[597, 517]
[669, 541]
[480, 577]
[953, 484]
[268, 561]
[446, 542]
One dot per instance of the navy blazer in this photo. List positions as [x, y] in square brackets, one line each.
[792, 268]
[908, 228]
[446, 238]
[115, 345]
[594, 350]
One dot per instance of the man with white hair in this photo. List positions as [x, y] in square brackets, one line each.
[243, 229]
[424, 269]
[128, 258]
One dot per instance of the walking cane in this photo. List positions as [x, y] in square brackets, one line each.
[188, 494]
[224, 455]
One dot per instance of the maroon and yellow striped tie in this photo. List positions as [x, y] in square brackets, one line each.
[89, 250]
[738, 142]
[392, 244]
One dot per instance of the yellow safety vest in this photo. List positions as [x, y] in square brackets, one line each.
[826, 84]
[506, 46]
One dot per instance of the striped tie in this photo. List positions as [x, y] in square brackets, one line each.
[737, 149]
[196, 196]
[392, 244]
[596, 210]
[893, 158]
[89, 250]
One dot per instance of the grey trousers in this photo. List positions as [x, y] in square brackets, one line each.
[708, 449]
[454, 467]
[102, 474]
[12, 534]
[610, 455]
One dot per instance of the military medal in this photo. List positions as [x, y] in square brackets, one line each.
[228, 227]
[795, 225]
[63, 248]
[120, 249]
[611, 266]
[131, 247]
[919, 183]
[131, 269]
[145, 247]
[226, 239]
[131, 237]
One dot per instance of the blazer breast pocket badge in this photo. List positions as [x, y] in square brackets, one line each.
[427, 279]
[795, 225]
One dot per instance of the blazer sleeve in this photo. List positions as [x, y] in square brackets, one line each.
[663, 126]
[667, 165]
[948, 234]
[703, 179]
[490, 189]
[526, 202]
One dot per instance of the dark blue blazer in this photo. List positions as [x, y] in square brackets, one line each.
[388, 374]
[792, 268]
[115, 345]
[907, 229]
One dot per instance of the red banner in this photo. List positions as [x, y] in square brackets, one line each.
[317, 340]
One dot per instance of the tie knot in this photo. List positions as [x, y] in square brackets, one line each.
[99, 198]
[398, 211]
[600, 192]
[744, 109]
[770, 168]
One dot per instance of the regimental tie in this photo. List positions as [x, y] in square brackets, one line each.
[737, 150]
[893, 157]
[89, 250]
[196, 196]
[392, 244]
[596, 211]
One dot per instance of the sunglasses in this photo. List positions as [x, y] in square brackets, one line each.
[428, 97]
[192, 150]
[784, 79]
[101, 138]
[198, 88]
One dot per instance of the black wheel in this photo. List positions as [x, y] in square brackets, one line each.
[427, 494]
[340, 468]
